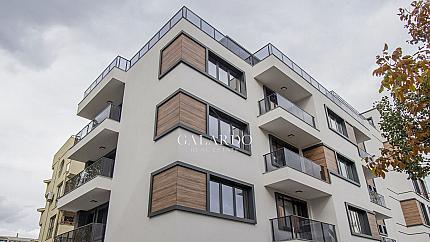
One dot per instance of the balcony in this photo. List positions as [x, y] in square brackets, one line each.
[285, 157]
[386, 239]
[363, 154]
[102, 167]
[377, 198]
[289, 172]
[88, 189]
[97, 137]
[283, 118]
[94, 232]
[300, 228]
[108, 87]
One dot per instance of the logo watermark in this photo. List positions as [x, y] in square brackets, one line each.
[223, 143]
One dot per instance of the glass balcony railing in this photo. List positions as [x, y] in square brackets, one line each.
[285, 157]
[300, 228]
[119, 62]
[110, 112]
[386, 239]
[363, 154]
[94, 232]
[102, 167]
[376, 198]
[275, 100]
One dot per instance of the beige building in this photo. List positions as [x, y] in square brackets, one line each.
[197, 139]
[16, 239]
[53, 221]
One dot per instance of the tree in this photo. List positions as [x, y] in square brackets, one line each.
[405, 114]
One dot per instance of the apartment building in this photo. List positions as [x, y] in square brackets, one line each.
[196, 138]
[16, 239]
[52, 221]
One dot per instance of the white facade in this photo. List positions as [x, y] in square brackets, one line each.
[139, 90]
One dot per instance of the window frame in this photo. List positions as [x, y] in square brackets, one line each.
[332, 117]
[364, 214]
[340, 159]
[51, 226]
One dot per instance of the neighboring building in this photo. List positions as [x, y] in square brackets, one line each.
[15, 239]
[293, 170]
[53, 221]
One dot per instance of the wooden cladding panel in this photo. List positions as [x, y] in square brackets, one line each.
[373, 226]
[164, 189]
[412, 212]
[191, 188]
[181, 109]
[185, 49]
[351, 133]
[178, 186]
[324, 156]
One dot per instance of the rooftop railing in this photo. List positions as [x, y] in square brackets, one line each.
[234, 47]
[110, 112]
[376, 198]
[300, 228]
[102, 167]
[94, 232]
[285, 157]
[119, 62]
[275, 100]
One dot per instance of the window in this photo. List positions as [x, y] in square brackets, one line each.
[420, 187]
[359, 223]
[382, 228]
[228, 130]
[226, 73]
[51, 227]
[229, 199]
[370, 120]
[60, 169]
[337, 123]
[60, 190]
[425, 214]
[347, 168]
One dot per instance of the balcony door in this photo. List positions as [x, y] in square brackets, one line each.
[293, 214]
[281, 156]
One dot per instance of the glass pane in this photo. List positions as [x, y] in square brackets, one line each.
[194, 19]
[234, 82]
[227, 200]
[223, 76]
[237, 136]
[213, 126]
[240, 212]
[212, 68]
[225, 132]
[214, 197]
[208, 29]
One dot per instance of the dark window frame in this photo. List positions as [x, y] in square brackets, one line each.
[51, 226]
[339, 122]
[242, 94]
[209, 174]
[206, 134]
[364, 213]
[351, 165]
[425, 213]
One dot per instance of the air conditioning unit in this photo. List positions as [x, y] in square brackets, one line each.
[49, 196]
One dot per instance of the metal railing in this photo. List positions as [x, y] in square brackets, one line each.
[270, 49]
[285, 157]
[300, 228]
[102, 167]
[119, 62]
[94, 232]
[275, 100]
[386, 239]
[234, 47]
[110, 112]
[376, 198]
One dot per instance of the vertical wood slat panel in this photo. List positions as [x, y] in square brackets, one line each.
[324, 156]
[178, 186]
[167, 115]
[412, 212]
[351, 133]
[373, 226]
[186, 49]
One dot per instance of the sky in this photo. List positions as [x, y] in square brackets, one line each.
[51, 51]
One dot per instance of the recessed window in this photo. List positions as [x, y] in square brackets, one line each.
[359, 221]
[228, 130]
[226, 73]
[347, 168]
[337, 123]
[50, 227]
[229, 199]
[61, 167]
[425, 214]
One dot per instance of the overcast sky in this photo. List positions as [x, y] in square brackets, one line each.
[50, 52]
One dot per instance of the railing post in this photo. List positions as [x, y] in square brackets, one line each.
[322, 231]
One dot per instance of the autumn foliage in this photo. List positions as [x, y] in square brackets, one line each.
[406, 112]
